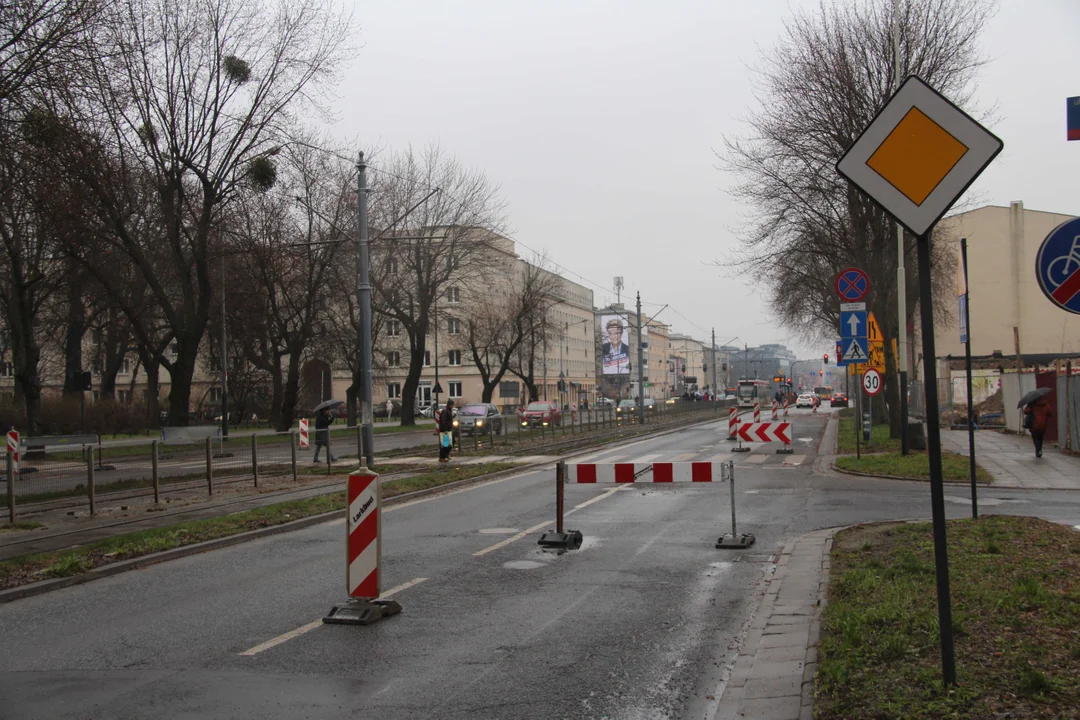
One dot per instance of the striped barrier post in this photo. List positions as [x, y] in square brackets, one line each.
[13, 448]
[785, 408]
[775, 410]
[303, 433]
[628, 473]
[757, 411]
[363, 553]
[732, 422]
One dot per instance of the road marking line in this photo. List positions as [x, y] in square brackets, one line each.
[598, 498]
[514, 538]
[285, 637]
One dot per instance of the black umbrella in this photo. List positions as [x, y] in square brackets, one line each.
[1033, 396]
[328, 405]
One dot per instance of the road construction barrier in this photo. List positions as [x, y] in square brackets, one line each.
[732, 422]
[757, 411]
[627, 473]
[303, 433]
[775, 410]
[363, 553]
[13, 448]
[785, 408]
[768, 432]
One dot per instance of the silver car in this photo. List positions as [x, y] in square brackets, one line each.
[479, 418]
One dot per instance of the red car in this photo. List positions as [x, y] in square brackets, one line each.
[540, 413]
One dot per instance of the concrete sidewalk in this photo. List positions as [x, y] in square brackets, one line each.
[1011, 460]
[773, 677]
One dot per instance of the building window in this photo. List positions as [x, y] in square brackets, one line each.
[393, 266]
[453, 295]
[393, 390]
[393, 328]
[7, 369]
[427, 358]
[215, 363]
[454, 388]
[453, 357]
[452, 262]
[393, 359]
[215, 394]
[453, 326]
[125, 367]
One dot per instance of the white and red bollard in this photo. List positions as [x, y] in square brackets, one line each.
[13, 448]
[785, 408]
[732, 422]
[303, 433]
[775, 410]
[757, 411]
[363, 554]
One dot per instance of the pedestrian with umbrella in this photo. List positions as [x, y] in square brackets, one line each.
[1037, 413]
[323, 420]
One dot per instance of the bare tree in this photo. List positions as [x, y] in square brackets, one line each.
[38, 40]
[194, 101]
[450, 241]
[828, 75]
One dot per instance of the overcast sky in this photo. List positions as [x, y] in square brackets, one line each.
[598, 119]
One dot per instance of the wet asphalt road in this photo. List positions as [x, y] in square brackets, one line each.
[639, 623]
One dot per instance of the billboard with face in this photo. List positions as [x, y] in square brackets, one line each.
[615, 350]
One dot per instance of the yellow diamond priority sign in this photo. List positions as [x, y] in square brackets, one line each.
[918, 155]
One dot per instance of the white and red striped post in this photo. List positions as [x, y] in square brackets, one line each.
[757, 411]
[363, 552]
[775, 410]
[303, 433]
[732, 422]
[13, 448]
[785, 408]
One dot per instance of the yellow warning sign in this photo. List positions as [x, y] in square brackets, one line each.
[873, 330]
[916, 156]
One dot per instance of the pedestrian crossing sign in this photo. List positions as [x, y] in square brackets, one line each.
[856, 351]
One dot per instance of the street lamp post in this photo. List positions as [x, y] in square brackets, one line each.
[363, 302]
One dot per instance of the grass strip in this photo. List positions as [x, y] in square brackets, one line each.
[915, 465]
[32, 568]
[879, 438]
[1016, 620]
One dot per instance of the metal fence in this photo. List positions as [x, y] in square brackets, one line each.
[74, 471]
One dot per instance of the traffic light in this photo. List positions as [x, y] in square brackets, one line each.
[723, 366]
[826, 358]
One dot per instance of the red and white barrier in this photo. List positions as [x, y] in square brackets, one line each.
[659, 472]
[303, 433]
[785, 408]
[13, 448]
[364, 551]
[766, 432]
[732, 422]
[775, 410]
[757, 411]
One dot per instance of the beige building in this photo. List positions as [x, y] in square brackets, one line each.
[696, 357]
[1008, 307]
[564, 346]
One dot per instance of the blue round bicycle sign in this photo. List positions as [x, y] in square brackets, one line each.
[1057, 266]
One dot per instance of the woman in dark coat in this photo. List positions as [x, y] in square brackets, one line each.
[1040, 412]
[446, 431]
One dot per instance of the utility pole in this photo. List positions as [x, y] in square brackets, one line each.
[901, 274]
[435, 318]
[543, 326]
[363, 302]
[640, 365]
[714, 363]
[224, 354]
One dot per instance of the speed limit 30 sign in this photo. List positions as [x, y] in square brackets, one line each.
[871, 381]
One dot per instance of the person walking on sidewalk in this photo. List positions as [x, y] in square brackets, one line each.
[322, 434]
[1040, 413]
[446, 431]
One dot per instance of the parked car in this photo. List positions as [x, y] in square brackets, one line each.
[604, 403]
[478, 418]
[838, 400]
[806, 400]
[540, 413]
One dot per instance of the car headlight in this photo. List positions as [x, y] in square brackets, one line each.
[479, 423]
[545, 423]
[455, 423]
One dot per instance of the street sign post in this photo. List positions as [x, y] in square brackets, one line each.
[871, 381]
[914, 159]
[962, 314]
[1058, 266]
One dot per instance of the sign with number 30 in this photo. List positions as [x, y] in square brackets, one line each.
[871, 381]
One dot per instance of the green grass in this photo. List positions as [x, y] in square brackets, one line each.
[879, 438]
[916, 465]
[1016, 622]
[420, 425]
[18, 526]
[20, 571]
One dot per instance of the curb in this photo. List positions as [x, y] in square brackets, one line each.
[44, 586]
[964, 483]
[786, 686]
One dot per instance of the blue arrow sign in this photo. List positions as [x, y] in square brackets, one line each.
[853, 324]
[856, 351]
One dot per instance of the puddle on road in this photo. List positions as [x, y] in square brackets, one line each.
[522, 565]
[498, 531]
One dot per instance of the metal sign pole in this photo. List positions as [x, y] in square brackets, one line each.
[933, 445]
[970, 398]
